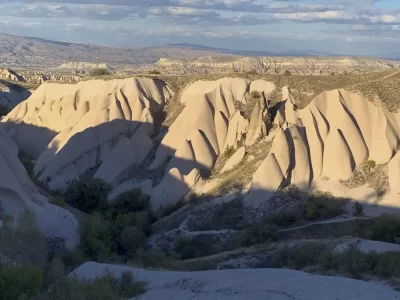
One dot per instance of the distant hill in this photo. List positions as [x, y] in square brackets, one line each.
[29, 51]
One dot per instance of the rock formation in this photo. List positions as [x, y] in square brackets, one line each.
[274, 65]
[335, 133]
[18, 194]
[84, 66]
[242, 284]
[70, 129]
[10, 75]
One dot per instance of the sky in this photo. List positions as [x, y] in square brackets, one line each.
[344, 27]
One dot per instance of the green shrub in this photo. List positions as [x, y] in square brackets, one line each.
[300, 257]
[130, 201]
[359, 208]
[16, 282]
[131, 239]
[27, 162]
[4, 110]
[257, 235]
[88, 195]
[100, 72]
[103, 288]
[24, 243]
[229, 151]
[283, 219]
[255, 94]
[59, 201]
[323, 206]
[96, 238]
[385, 228]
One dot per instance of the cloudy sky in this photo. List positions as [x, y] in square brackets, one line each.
[356, 27]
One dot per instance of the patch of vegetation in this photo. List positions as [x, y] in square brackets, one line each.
[287, 73]
[23, 243]
[27, 162]
[100, 72]
[284, 219]
[229, 151]
[255, 94]
[369, 172]
[154, 72]
[59, 201]
[300, 257]
[29, 272]
[259, 234]
[88, 195]
[385, 228]
[4, 110]
[118, 231]
[322, 205]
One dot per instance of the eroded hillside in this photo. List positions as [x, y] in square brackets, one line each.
[222, 165]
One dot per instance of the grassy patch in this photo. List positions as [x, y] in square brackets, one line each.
[385, 228]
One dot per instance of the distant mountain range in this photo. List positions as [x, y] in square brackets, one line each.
[17, 51]
[29, 51]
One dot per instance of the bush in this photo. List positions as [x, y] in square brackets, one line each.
[255, 94]
[16, 282]
[257, 235]
[359, 208]
[59, 201]
[96, 238]
[323, 206]
[154, 72]
[100, 72]
[103, 288]
[283, 219]
[118, 231]
[229, 151]
[27, 162]
[287, 73]
[385, 228]
[88, 195]
[300, 257]
[4, 110]
[24, 244]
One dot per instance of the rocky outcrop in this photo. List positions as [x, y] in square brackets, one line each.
[18, 194]
[84, 66]
[241, 284]
[10, 75]
[71, 129]
[274, 65]
[234, 160]
[335, 133]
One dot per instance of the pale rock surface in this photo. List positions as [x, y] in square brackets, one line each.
[84, 66]
[262, 86]
[234, 160]
[366, 246]
[71, 129]
[125, 155]
[257, 128]
[10, 75]
[172, 188]
[336, 132]
[257, 284]
[18, 194]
